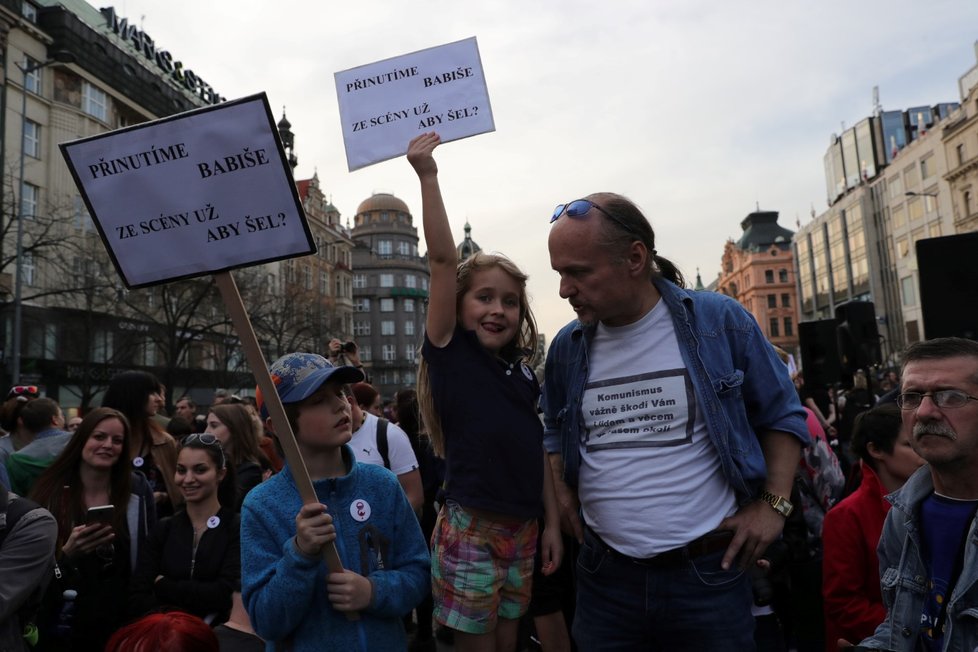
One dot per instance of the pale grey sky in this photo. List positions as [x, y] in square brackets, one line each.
[696, 109]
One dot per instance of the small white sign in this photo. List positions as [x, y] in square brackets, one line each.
[197, 193]
[384, 105]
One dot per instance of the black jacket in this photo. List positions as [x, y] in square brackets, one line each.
[200, 583]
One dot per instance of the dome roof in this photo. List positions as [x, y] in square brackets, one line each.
[382, 201]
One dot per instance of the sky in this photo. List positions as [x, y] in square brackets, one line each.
[699, 111]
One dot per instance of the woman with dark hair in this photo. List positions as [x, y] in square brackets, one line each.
[239, 434]
[153, 452]
[192, 561]
[174, 631]
[96, 556]
[851, 530]
[368, 398]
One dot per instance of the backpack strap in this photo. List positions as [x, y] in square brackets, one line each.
[382, 447]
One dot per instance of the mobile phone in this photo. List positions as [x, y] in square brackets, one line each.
[101, 514]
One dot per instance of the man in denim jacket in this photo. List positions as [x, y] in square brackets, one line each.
[928, 551]
[672, 428]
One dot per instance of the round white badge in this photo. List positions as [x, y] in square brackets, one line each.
[138, 462]
[360, 510]
[526, 371]
[213, 522]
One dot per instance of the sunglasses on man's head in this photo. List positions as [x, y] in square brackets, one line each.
[581, 207]
[23, 390]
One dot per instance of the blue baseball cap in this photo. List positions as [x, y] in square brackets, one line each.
[298, 375]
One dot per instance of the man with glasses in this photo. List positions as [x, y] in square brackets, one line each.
[674, 431]
[929, 551]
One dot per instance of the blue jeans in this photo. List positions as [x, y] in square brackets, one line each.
[696, 606]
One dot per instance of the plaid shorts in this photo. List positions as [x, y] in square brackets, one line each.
[481, 570]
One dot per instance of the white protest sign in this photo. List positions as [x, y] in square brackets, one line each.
[384, 105]
[200, 192]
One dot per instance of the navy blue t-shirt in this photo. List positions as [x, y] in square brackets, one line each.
[493, 436]
[944, 523]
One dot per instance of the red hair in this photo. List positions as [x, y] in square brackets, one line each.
[173, 631]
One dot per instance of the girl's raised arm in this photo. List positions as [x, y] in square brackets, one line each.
[442, 257]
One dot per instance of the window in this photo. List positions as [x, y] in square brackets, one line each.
[27, 267]
[28, 201]
[782, 275]
[389, 353]
[409, 305]
[774, 327]
[409, 353]
[32, 139]
[934, 230]
[903, 247]
[307, 277]
[102, 346]
[966, 200]
[32, 82]
[788, 327]
[899, 218]
[361, 305]
[424, 283]
[384, 247]
[387, 305]
[785, 300]
[907, 291]
[896, 186]
[387, 327]
[403, 248]
[28, 11]
[769, 276]
[361, 328]
[409, 378]
[385, 217]
[409, 327]
[323, 282]
[364, 350]
[411, 281]
[960, 150]
[82, 219]
[926, 168]
[94, 102]
[359, 281]
[386, 280]
[772, 301]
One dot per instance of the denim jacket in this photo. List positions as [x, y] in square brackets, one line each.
[903, 578]
[741, 385]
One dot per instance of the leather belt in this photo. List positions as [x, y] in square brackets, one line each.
[708, 543]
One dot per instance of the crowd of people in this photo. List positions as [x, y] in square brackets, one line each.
[669, 485]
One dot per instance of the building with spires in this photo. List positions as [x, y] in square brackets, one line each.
[758, 271]
[467, 246]
[390, 292]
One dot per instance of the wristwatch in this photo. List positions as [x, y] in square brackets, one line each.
[780, 504]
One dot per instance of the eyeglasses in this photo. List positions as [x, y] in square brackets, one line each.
[207, 439]
[19, 390]
[945, 398]
[580, 208]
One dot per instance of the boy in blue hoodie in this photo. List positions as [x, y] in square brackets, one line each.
[294, 602]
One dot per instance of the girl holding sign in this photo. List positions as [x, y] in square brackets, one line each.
[478, 397]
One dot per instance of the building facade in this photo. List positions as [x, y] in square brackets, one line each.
[960, 138]
[390, 291]
[758, 271]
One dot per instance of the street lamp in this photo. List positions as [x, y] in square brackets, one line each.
[61, 56]
[911, 193]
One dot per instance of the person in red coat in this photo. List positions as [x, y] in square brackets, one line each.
[851, 531]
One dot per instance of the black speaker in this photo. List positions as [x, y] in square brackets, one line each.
[819, 352]
[858, 336]
[949, 285]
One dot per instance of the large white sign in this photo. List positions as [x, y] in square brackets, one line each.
[384, 105]
[197, 193]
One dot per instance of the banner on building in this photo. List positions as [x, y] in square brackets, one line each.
[201, 192]
[384, 105]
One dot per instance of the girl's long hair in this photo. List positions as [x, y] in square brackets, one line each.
[60, 490]
[522, 347]
[245, 435]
